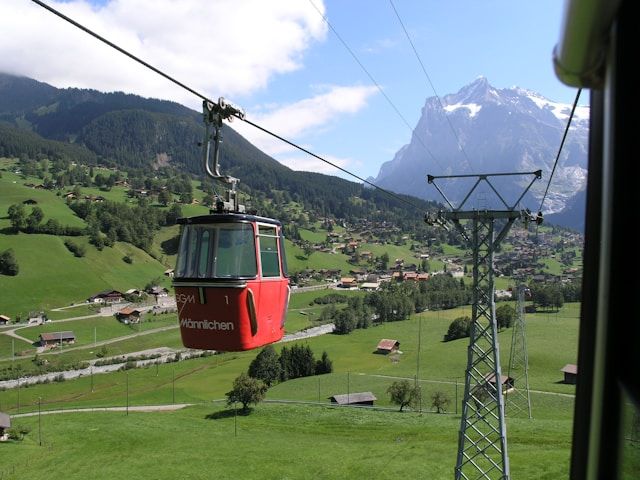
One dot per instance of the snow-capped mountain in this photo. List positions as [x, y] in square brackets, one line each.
[482, 129]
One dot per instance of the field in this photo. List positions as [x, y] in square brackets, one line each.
[50, 276]
[274, 441]
[273, 433]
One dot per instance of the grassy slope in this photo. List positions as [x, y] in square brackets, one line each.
[272, 433]
[50, 276]
[552, 343]
[14, 191]
[334, 443]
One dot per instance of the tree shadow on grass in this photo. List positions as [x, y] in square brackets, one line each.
[228, 413]
[170, 246]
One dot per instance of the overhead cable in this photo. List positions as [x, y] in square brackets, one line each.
[373, 80]
[564, 137]
[424, 70]
[204, 97]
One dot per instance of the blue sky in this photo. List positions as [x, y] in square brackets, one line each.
[282, 64]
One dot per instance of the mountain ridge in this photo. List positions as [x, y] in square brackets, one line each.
[499, 130]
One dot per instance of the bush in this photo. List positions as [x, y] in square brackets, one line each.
[8, 263]
[505, 315]
[440, 401]
[459, 328]
[331, 298]
[77, 250]
[127, 259]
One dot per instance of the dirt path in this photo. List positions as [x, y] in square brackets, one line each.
[143, 408]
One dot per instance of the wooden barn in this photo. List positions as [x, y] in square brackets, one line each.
[360, 398]
[56, 338]
[129, 315]
[507, 382]
[386, 346]
[570, 373]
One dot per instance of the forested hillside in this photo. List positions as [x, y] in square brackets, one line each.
[132, 133]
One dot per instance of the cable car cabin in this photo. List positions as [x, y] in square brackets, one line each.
[232, 290]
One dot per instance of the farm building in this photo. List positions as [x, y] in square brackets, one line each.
[106, 296]
[4, 319]
[129, 315]
[386, 346]
[570, 373]
[56, 338]
[348, 282]
[5, 424]
[370, 286]
[507, 382]
[158, 291]
[361, 398]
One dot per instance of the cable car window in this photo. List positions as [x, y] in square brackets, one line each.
[217, 251]
[285, 268]
[203, 254]
[269, 251]
[183, 257]
[235, 254]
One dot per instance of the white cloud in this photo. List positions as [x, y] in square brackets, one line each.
[227, 47]
[311, 164]
[303, 119]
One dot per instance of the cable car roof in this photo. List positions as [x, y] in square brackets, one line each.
[226, 218]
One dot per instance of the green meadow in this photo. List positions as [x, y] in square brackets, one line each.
[440, 365]
[273, 442]
[411, 443]
[50, 276]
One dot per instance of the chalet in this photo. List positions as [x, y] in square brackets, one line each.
[169, 272]
[158, 291]
[370, 286]
[129, 315]
[410, 276]
[133, 291]
[423, 277]
[386, 346]
[570, 373]
[366, 255]
[53, 339]
[106, 296]
[4, 319]
[348, 282]
[361, 398]
[5, 424]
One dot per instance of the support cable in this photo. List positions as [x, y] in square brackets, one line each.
[364, 69]
[207, 99]
[424, 70]
[564, 137]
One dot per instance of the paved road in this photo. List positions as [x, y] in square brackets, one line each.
[165, 353]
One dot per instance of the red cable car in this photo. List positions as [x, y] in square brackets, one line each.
[232, 290]
[231, 284]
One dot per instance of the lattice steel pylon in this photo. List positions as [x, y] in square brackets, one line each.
[482, 440]
[518, 398]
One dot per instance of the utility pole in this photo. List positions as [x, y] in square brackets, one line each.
[39, 423]
[482, 441]
[519, 400]
[127, 393]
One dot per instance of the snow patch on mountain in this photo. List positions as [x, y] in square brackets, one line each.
[473, 108]
[500, 130]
